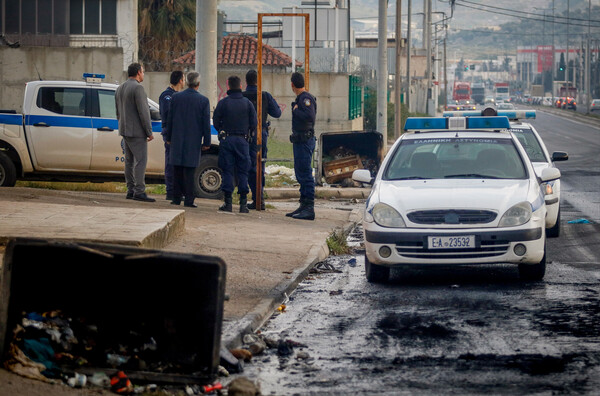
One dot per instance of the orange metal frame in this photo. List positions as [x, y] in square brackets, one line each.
[306, 17]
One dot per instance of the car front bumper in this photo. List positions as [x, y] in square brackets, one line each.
[409, 246]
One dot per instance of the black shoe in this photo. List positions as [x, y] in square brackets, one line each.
[175, 202]
[302, 205]
[143, 197]
[308, 213]
[129, 195]
[244, 204]
[227, 205]
[192, 205]
[252, 205]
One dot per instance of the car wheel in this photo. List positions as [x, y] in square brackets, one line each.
[533, 272]
[8, 171]
[208, 178]
[376, 273]
[554, 231]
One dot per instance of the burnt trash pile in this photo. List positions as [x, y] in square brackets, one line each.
[92, 311]
[342, 153]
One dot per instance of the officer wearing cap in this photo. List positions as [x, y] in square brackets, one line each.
[269, 108]
[235, 119]
[304, 112]
[177, 84]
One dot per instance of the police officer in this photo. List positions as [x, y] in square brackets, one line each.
[235, 119]
[304, 112]
[177, 82]
[269, 108]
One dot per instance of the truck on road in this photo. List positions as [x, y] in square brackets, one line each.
[478, 92]
[69, 132]
[501, 91]
[461, 90]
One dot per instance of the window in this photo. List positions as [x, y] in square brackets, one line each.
[45, 16]
[67, 101]
[28, 11]
[13, 16]
[106, 102]
[93, 16]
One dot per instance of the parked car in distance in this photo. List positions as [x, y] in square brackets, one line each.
[595, 106]
[505, 106]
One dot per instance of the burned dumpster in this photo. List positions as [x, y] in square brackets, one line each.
[155, 315]
[341, 153]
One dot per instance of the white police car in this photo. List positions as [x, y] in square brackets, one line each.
[539, 156]
[453, 191]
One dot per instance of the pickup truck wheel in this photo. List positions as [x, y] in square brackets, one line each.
[208, 178]
[8, 172]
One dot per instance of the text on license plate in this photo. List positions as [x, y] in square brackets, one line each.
[451, 242]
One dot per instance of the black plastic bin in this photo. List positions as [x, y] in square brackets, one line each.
[366, 144]
[178, 296]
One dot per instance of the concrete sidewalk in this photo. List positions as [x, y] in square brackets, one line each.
[267, 254]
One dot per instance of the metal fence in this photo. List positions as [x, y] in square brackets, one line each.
[354, 97]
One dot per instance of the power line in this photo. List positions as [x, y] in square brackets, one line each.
[517, 16]
[531, 13]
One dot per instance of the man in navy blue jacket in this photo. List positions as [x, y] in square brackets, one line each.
[177, 83]
[188, 133]
[269, 108]
[235, 119]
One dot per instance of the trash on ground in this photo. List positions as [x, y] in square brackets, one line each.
[579, 221]
[242, 386]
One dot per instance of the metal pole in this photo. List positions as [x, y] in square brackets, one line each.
[382, 74]
[336, 58]
[553, 54]
[398, 71]
[446, 70]
[206, 44]
[588, 55]
[408, 55]
[259, 105]
[427, 28]
[294, 41]
[567, 68]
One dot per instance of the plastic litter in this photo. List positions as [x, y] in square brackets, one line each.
[579, 221]
[100, 379]
[78, 381]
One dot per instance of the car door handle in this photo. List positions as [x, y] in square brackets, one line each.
[105, 129]
[41, 124]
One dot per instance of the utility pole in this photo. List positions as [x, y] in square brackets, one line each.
[553, 54]
[206, 49]
[382, 73]
[588, 55]
[445, 67]
[408, 55]
[427, 28]
[567, 68]
[397, 96]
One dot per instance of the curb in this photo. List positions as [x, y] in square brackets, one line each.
[234, 332]
[279, 193]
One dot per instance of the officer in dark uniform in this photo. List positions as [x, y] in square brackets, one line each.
[177, 84]
[235, 119]
[304, 112]
[269, 108]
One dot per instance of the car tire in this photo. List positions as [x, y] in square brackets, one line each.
[8, 171]
[554, 231]
[533, 272]
[208, 178]
[376, 273]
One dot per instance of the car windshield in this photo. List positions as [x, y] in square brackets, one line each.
[530, 143]
[460, 158]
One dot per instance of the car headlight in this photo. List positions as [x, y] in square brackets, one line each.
[516, 216]
[386, 216]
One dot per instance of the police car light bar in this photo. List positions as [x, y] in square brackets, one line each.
[512, 115]
[455, 123]
[93, 77]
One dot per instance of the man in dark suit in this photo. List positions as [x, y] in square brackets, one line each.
[135, 126]
[188, 133]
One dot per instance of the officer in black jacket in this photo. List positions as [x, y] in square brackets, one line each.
[235, 119]
[304, 112]
[269, 108]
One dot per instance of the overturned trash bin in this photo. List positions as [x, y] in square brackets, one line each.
[339, 154]
[119, 296]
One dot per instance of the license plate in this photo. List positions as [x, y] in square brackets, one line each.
[451, 242]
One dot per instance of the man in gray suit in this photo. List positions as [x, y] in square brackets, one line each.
[135, 126]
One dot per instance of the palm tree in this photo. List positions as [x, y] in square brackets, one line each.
[167, 30]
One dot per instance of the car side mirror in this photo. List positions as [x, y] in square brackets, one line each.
[362, 176]
[154, 115]
[550, 174]
[560, 156]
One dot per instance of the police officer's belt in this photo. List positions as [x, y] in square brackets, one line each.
[301, 136]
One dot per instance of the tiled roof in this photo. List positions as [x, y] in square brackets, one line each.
[240, 50]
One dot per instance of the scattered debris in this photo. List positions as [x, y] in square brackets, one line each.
[282, 308]
[335, 292]
[242, 354]
[242, 386]
[323, 267]
[579, 221]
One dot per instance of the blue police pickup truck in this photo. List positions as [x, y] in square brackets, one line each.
[69, 132]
